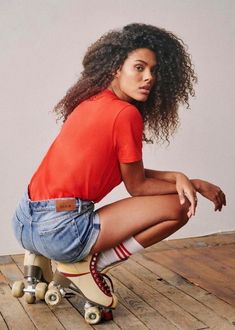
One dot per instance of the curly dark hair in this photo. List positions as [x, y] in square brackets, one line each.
[174, 76]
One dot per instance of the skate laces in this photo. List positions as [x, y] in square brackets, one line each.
[100, 278]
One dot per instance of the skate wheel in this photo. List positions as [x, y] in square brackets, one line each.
[40, 290]
[53, 297]
[18, 289]
[107, 315]
[29, 298]
[92, 315]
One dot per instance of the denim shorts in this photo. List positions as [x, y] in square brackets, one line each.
[65, 236]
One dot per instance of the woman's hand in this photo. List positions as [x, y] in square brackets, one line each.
[211, 192]
[185, 188]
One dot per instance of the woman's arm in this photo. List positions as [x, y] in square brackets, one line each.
[139, 183]
[206, 189]
[161, 175]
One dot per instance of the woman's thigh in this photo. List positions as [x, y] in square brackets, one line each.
[130, 216]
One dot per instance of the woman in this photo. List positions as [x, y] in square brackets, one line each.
[133, 82]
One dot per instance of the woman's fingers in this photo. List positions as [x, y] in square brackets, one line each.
[222, 198]
[219, 200]
[193, 202]
[181, 197]
[192, 210]
[192, 197]
[185, 190]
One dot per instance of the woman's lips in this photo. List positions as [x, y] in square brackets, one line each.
[144, 90]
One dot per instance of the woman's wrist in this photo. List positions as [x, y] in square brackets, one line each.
[196, 183]
[179, 175]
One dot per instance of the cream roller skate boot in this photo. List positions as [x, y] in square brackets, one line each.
[83, 278]
[37, 273]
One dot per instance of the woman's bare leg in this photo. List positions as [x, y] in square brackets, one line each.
[148, 218]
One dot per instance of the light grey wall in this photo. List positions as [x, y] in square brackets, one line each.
[42, 44]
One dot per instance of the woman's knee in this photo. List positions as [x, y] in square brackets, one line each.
[180, 211]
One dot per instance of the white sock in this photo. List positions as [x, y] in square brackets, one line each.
[119, 253]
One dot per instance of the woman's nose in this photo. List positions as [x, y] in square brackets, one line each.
[148, 76]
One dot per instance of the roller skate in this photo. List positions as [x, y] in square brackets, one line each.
[83, 278]
[37, 273]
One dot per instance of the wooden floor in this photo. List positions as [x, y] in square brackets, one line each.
[177, 284]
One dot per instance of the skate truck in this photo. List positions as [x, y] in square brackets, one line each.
[79, 278]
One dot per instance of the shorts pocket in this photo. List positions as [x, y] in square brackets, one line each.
[60, 240]
[18, 229]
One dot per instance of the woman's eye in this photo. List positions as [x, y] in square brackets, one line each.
[139, 68]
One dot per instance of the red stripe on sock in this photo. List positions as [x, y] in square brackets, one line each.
[117, 253]
[122, 252]
[125, 249]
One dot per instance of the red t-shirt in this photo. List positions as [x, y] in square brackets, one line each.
[83, 161]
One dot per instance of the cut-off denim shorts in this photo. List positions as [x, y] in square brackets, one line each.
[65, 236]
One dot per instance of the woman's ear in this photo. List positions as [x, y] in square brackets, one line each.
[118, 72]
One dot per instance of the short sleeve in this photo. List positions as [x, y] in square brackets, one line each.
[128, 132]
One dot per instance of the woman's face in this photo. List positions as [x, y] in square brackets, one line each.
[134, 80]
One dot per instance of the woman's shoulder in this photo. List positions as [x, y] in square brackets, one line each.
[107, 98]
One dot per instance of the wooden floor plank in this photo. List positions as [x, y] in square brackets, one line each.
[19, 261]
[40, 314]
[189, 265]
[3, 325]
[124, 317]
[219, 306]
[157, 247]
[5, 260]
[106, 326]
[156, 282]
[126, 320]
[224, 255]
[69, 317]
[141, 309]
[193, 306]
[11, 310]
[219, 238]
[168, 309]
[217, 259]
[203, 241]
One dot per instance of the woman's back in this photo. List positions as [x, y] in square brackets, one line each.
[83, 161]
